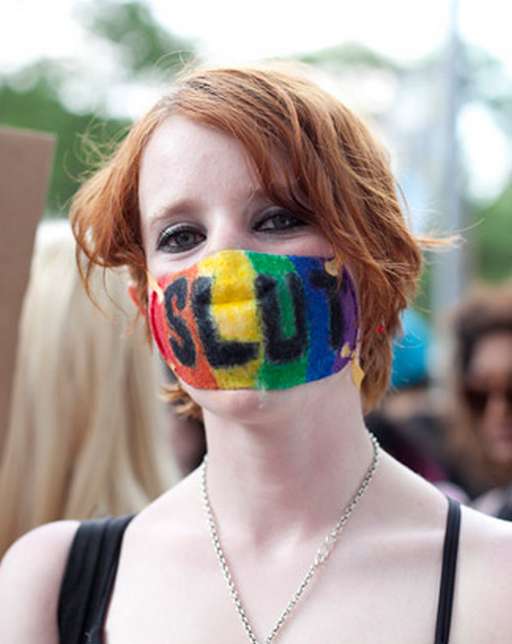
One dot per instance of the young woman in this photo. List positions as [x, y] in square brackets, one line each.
[271, 260]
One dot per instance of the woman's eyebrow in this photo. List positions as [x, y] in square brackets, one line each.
[258, 195]
[178, 208]
[188, 207]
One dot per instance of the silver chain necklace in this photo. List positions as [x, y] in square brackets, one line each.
[320, 558]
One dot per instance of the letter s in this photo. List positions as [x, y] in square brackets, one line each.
[184, 351]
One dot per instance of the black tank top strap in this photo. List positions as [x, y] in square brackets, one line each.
[94, 556]
[88, 579]
[446, 591]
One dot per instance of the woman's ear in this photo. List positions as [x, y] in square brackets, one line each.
[134, 296]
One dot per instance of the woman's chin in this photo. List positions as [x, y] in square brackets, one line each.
[238, 404]
[256, 405]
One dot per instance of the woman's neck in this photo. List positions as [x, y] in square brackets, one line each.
[285, 465]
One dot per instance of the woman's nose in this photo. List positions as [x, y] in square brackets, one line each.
[229, 232]
[497, 407]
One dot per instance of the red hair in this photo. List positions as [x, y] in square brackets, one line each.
[335, 175]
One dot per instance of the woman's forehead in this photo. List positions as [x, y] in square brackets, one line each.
[180, 141]
[492, 355]
[184, 160]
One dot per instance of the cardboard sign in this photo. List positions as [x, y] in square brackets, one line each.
[25, 163]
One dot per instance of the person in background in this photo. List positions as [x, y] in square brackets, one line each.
[86, 436]
[410, 377]
[406, 423]
[482, 427]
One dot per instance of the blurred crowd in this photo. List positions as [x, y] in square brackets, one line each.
[454, 427]
[92, 432]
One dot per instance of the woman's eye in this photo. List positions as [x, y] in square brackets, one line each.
[177, 240]
[281, 220]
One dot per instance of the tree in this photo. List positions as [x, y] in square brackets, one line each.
[482, 80]
[494, 238]
[36, 105]
[34, 96]
[130, 26]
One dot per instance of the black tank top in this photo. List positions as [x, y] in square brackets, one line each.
[92, 565]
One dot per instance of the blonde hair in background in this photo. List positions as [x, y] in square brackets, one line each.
[86, 431]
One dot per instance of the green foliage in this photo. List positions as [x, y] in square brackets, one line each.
[38, 107]
[31, 98]
[349, 55]
[493, 238]
[142, 42]
[422, 302]
[484, 79]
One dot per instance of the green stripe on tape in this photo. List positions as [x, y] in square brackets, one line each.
[280, 376]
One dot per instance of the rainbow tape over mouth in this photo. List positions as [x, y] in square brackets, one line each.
[245, 320]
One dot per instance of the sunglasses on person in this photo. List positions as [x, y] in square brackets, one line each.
[477, 398]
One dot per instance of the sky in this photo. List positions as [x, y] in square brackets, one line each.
[228, 31]
[224, 29]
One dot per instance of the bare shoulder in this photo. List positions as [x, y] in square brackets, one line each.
[486, 539]
[30, 577]
[484, 578]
